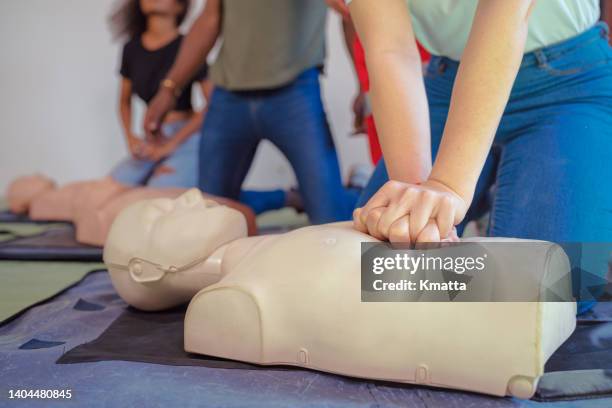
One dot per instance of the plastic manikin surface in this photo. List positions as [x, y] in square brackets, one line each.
[295, 299]
[92, 227]
[94, 195]
[91, 205]
[75, 200]
[56, 204]
[23, 190]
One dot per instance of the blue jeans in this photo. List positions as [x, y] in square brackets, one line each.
[293, 119]
[184, 164]
[548, 175]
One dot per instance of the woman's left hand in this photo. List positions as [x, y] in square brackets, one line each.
[411, 213]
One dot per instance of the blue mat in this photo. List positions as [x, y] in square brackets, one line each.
[30, 345]
[55, 244]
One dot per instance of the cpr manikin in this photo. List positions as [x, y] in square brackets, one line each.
[23, 190]
[295, 299]
[90, 205]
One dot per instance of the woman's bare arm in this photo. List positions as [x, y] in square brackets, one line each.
[134, 143]
[404, 211]
[158, 151]
[125, 106]
[194, 123]
[489, 66]
[197, 44]
[397, 90]
[192, 54]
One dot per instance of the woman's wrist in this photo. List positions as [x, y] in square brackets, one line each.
[462, 191]
[171, 86]
[173, 143]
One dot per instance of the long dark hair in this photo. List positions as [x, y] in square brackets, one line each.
[128, 20]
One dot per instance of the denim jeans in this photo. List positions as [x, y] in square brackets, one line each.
[548, 175]
[293, 119]
[184, 164]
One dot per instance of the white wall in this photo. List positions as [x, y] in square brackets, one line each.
[58, 92]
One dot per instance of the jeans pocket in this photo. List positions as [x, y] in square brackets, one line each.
[581, 60]
[568, 69]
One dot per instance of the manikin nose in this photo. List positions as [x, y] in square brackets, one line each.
[193, 198]
[190, 198]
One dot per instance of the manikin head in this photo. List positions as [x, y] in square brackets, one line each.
[157, 249]
[23, 190]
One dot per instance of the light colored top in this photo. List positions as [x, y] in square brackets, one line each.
[443, 26]
[268, 43]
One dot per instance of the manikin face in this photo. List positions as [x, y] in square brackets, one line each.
[172, 233]
[155, 248]
[161, 7]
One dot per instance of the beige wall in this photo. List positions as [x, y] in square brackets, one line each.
[59, 86]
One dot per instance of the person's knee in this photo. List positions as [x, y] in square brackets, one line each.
[164, 169]
[172, 176]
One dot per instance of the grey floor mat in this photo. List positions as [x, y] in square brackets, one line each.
[56, 244]
[583, 360]
[8, 216]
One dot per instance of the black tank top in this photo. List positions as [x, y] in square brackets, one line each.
[146, 69]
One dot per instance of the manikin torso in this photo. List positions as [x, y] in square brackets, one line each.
[91, 205]
[295, 299]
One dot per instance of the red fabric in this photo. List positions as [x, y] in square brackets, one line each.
[360, 65]
[425, 56]
[364, 81]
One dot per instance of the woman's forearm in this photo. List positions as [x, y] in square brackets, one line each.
[197, 44]
[399, 102]
[125, 107]
[489, 65]
[125, 115]
[192, 126]
[195, 123]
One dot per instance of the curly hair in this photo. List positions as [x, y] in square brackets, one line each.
[128, 20]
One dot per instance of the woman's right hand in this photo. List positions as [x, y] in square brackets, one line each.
[163, 102]
[135, 146]
[412, 213]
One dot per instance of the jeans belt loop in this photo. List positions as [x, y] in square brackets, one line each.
[442, 66]
[541, 58]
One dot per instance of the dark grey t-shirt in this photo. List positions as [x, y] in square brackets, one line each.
[268, 43]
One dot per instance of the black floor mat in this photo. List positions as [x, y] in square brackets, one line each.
[147, 337]
[580, 368]
[8, 216]
[56, 244]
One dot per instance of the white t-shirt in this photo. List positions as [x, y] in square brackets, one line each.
[443, 26]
